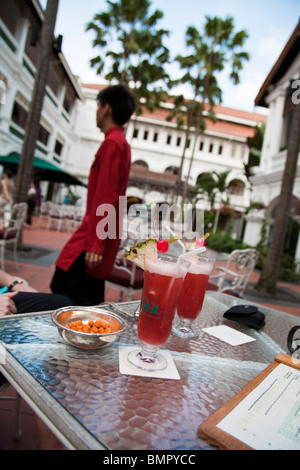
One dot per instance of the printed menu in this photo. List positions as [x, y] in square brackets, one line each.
[263, 416]
[269, 417]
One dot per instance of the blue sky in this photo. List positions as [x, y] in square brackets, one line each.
[269, 24]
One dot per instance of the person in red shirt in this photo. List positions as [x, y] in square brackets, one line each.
[87, 258]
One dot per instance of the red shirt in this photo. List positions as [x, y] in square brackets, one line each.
[107, 181]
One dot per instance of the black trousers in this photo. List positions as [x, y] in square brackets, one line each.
[30, 210]
[81, 288]
[27, 302]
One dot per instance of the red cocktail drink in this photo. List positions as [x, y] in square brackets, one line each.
[157, 311]
[192, 294]
[163, 279]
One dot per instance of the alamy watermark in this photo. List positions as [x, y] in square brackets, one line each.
[296, 94]
[142, 221]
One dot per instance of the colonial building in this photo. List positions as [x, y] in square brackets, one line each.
[68, 137]
[20, 32]
[157, 147]
[279, 92]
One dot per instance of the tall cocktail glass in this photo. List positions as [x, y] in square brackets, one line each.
[163, 279]
[192, 295]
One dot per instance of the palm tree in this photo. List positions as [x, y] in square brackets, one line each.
[269, 275]
[210, 52]
[24, 175]
[210, 185]
[255, 144]
[205, 189]
[221, 187]
[132, 49]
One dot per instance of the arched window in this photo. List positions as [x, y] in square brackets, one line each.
[172, 169]
[141, 163]
[203, 178]
[236, 187]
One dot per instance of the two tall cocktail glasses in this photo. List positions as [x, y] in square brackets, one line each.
[170, 284]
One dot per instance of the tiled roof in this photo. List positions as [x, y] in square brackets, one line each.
[94, 86]
[239, 113]
[221, 125]
[226, 127]
[238, 122]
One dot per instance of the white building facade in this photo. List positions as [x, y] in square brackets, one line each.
[69, 137]
[277, 93]
[20, 32]
[157, 145]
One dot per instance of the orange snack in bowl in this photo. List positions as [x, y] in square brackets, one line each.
[97, 327]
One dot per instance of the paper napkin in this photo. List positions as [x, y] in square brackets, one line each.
[229, 335]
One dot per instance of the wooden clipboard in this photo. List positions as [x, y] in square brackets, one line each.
[209, 429]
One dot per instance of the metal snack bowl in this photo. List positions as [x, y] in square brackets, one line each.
[65, 315]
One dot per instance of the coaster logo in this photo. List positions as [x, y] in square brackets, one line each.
[2, 354]
[146, 307]
[296, 94]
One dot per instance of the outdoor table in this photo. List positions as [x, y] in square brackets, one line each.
[85, 400]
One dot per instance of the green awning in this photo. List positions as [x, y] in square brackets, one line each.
[46, 170]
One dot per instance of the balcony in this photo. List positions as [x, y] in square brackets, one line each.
[278, 160]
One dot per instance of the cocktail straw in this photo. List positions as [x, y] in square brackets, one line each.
[181, 258]
[184, 254]
[193, 252]
[174, 234]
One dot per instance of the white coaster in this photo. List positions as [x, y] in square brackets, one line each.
[229, 335]
[170, 372]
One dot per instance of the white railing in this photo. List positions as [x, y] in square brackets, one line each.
[278, 160]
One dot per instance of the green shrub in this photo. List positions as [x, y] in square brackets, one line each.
[224, 243]
[287, 270]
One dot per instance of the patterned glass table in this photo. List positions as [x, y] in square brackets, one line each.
[89, 404]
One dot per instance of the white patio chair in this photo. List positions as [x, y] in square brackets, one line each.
[68, 216]
[44, 211]
[55, 216]
[234, 276]
[10, 235]
[79, 213]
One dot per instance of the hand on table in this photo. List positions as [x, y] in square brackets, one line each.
[7, 305]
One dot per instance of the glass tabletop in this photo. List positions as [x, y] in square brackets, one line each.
[126, 412]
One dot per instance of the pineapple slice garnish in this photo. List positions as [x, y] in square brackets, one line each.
[138, 252]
